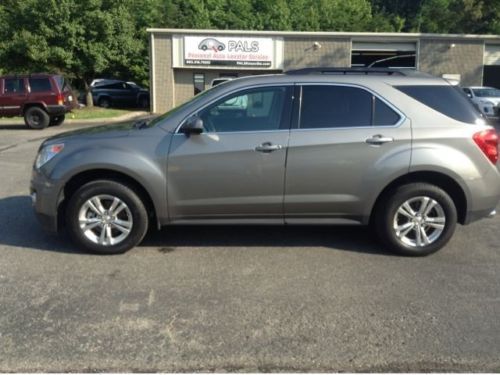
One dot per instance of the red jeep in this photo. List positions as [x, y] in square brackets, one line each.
[42, 99]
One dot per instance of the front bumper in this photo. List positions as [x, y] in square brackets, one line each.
[45, 200]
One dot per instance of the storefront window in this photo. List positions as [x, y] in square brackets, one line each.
[199, 82]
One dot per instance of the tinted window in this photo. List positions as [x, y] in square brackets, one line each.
[335, 106]
[448, 100]
[252, 110]
[13, 85]
[384, 115]
[343, 106]
[39, 84]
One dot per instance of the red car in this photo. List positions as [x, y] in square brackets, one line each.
[42, 99]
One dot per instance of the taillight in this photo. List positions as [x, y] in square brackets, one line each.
[487, 140]
[60, 99]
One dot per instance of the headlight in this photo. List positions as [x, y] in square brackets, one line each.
[47, 153]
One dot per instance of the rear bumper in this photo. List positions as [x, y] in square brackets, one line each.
[58, 110]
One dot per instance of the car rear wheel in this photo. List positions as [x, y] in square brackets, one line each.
[57, 120]
[36, 118]
[416, 219]
[106, 217]
[143, 102]
[104, 102]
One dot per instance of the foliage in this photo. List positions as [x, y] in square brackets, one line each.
[95, 38]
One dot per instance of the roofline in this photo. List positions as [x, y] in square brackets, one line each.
[356, 35]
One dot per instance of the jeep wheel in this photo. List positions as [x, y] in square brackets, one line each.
[36, 118]
[106, 217]
[104, 102]
[416, 219]
[57, 120]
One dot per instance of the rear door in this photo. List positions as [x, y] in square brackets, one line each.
[14, 95]
[346, 145]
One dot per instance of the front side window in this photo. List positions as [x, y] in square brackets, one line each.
[250, 110]
[14, 85]
[331, 106]
[39, 84]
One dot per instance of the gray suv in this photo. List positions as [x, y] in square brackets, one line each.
[400, 150]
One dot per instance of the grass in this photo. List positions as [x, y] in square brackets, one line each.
[86, 113]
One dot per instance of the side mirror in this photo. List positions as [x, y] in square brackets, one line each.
[193, 125]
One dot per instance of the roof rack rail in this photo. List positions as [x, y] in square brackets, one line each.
[346, 71]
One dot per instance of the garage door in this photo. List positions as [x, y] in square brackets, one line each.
[383, 55]
[491, 73]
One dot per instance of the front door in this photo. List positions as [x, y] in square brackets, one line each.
[233, 171]
[346, 146]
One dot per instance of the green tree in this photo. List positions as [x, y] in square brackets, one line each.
[79, 39]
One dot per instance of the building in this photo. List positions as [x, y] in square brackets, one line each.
[184, 62]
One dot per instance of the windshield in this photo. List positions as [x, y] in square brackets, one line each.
[487, 93]
[194, 99]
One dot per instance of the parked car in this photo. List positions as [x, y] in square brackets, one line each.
[107, 81]
[486, 99]
[402, 151]
[114, 93]
[42, 99]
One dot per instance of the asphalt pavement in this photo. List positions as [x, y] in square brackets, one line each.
[238, 298]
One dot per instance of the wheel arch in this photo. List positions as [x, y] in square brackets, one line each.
[441, 180]
[83, 177]
[29, 105]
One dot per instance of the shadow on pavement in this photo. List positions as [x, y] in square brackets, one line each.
[20, 228]
[14, 127]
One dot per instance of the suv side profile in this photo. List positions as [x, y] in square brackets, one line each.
[42, 99]
[400, 150]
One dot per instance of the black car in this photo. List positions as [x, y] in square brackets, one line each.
[115, 93]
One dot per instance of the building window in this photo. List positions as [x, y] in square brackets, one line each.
[199, 82]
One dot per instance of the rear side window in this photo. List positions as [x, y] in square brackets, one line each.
[331, 106]
[13, 85]
[40, 84]
[448, 100]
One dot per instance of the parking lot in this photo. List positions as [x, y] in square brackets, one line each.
[238, 298]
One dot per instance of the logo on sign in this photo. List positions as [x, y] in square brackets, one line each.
[211, 44]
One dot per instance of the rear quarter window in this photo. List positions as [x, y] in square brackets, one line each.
[448, 100]
[40, 84]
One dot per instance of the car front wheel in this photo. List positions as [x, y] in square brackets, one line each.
[106, 217]
[416, 219]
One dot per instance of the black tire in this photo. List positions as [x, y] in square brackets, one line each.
[57, 120]
[36, 118]
[143, 102]
[104, 102]
[127, 195]
[385, 219]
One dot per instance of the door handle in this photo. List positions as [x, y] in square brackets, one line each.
[378, 139]
[268, 147]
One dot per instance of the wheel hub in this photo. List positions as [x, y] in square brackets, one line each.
[419, 221]
[105, 220]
